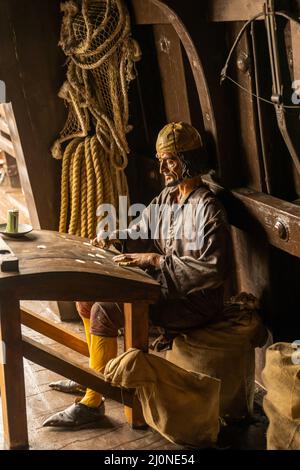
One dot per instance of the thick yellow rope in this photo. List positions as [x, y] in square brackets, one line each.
[64, 203]
[91, 193]
[95, 151]
[75, 201]
[78, 230]
[71, 179]
[108, 182]
[83, 202]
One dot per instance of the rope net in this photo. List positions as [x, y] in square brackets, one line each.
[96, 38]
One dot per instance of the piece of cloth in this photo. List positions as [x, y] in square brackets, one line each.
[84, 308]
[281, 377]
[283, 433]
[171, 315]
[281, 404]
[178, 137]
[106, 319]
[182, 406]
[226, 350]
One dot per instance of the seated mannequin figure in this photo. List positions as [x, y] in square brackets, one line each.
[189, 254]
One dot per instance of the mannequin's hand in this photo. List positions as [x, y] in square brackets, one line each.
[104, 243]
[142, 260]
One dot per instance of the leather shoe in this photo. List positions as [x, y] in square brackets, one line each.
[68, 386]
[77, 416]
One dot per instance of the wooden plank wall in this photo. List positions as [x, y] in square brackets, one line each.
[31, 65]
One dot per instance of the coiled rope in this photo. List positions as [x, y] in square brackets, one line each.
[89, 178]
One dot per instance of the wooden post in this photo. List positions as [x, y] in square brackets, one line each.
[171, 67]
[12, 375]
[136, 336]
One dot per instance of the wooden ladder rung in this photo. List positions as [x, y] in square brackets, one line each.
[7, 146]
[54, 331]
[4, 126]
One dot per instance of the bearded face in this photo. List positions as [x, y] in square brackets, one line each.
[171, 167]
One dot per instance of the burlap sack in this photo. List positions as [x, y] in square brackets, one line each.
[281, 377]
[283, 433]
[225, 350]
[182, 406]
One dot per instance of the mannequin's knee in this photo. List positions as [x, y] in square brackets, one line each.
[84, 308]
[106, 319]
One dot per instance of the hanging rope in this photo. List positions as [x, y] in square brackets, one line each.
[91, 185]
[75, 172]
[83, 202]
[96, 38]
[98, 170]
[65, 184]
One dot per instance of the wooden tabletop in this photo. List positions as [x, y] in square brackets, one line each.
[55, 266]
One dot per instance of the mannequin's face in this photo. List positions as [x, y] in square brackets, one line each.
[170, 166]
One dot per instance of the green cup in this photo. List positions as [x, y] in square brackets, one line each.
[12, 221]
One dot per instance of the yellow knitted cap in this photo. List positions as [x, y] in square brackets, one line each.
[178, 137]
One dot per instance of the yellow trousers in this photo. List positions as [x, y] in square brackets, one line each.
[102, 349]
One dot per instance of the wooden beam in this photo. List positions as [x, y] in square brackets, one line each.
[22, 167]
[247, 131]
[3, 125]
[7, 146]
[149, 11]
[48, 358]
[136, 326]
[12, 375]
[295, 48]
[263, 216]
[295, 38]
[169, 55]
[267, 211]
[12, 171]
[233, 10]
[136, 336]
[55, 331]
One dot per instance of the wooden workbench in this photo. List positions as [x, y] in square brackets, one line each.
[55, 266]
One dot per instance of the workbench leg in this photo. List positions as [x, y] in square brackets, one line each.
[12, 375]
[136, 336]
